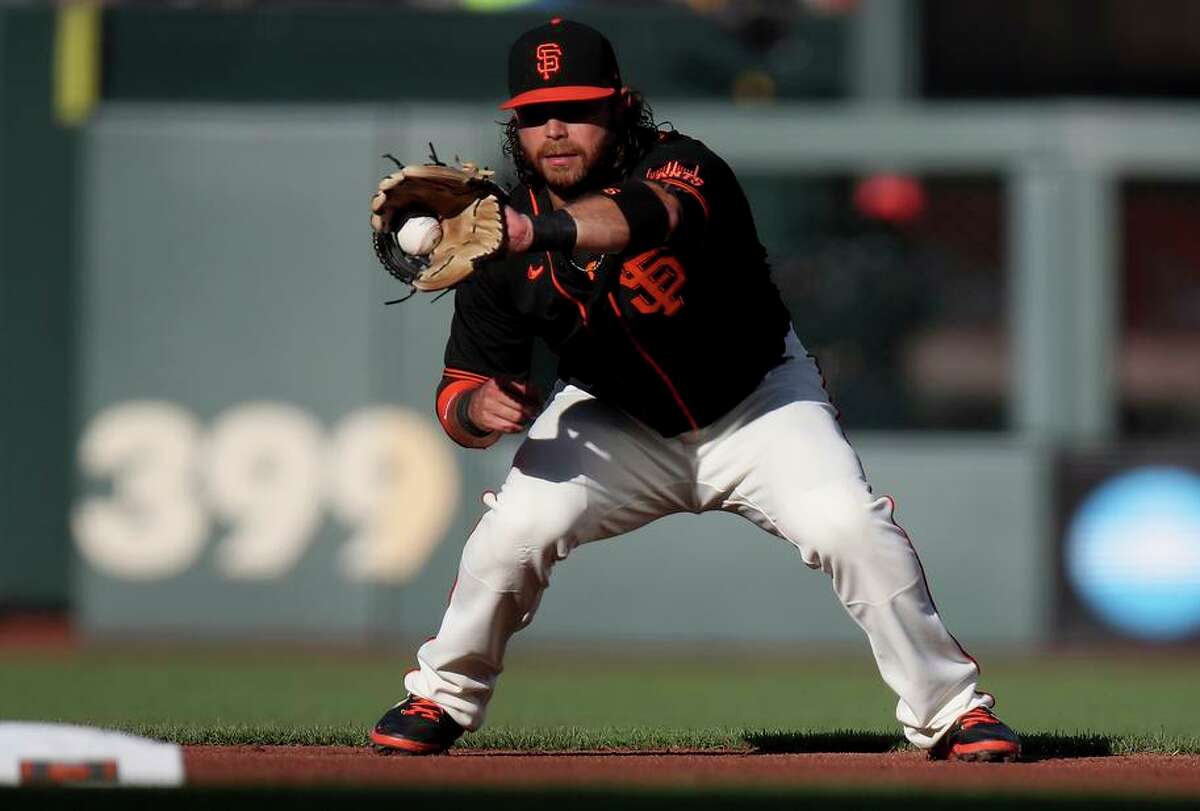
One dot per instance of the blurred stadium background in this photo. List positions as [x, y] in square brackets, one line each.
[982, 215]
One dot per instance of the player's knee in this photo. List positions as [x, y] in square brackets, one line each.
[834, 523]
[512, 544]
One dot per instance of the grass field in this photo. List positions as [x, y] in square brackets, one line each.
[548, 700]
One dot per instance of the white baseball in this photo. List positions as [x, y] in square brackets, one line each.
[419, 235]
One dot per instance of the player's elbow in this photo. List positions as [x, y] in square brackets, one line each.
[671, 204]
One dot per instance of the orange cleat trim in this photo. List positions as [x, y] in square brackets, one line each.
[405, 745]
[984, 746]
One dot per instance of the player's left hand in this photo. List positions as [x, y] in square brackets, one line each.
[519, 230]
[466, 204]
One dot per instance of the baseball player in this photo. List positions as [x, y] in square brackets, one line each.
[682, 388]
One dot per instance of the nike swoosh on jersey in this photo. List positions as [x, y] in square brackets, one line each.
[534, 271]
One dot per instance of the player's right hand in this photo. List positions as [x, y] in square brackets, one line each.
[506, 406]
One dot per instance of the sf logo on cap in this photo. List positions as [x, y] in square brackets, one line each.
[547, 59]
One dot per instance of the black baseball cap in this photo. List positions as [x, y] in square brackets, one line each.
[561, 61]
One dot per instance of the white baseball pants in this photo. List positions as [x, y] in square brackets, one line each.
[587, 471]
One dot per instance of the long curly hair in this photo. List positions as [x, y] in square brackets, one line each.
[635, 133]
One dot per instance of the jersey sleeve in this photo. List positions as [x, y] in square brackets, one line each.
[696, 176]
[487, 335]
[487, 339]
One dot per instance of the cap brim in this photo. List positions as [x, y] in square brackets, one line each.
[546, 95]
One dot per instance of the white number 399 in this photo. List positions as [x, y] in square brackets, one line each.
[265, 474]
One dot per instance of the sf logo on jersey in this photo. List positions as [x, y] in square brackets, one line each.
[657, 277]
[547, 59]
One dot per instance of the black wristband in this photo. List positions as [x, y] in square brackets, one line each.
[645, 213]
[461, 407]
[555, 231]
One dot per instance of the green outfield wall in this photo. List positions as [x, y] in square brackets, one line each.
[37, 300]
[348, 52]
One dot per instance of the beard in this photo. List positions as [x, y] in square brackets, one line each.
[567, 170]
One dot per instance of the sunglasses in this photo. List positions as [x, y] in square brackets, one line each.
[569, 112]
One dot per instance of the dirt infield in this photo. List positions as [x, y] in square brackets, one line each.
[1132, 775]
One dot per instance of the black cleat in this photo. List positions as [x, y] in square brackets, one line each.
[415, 726]
[978, 736]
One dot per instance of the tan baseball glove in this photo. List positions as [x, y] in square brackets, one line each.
[468, 208]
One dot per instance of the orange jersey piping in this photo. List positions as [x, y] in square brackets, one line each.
[921, 566]
[553, 276]
[462, 374]
[681, 185]
[650, 361]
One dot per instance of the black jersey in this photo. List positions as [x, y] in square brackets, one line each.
[675, 336]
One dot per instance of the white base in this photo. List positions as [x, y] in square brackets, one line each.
[35, 753]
